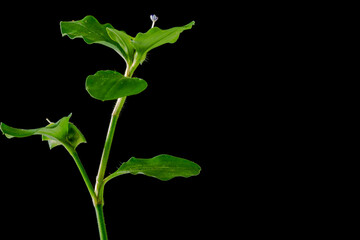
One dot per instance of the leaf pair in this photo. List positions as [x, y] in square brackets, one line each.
[132, 49]
[110, 85]
[63, 132]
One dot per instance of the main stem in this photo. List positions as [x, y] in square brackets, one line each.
[99, 187]
[108, 142]
[101, 221]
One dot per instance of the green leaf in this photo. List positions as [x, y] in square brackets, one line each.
[60, 133]
[163, 167]
[155, 37]
[110, 85]
[130, 48]
[91, 31]
[124, 42]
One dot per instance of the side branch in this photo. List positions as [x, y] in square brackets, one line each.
[81, 168]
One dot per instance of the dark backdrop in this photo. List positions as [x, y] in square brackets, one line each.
[44, 77]
[214, 97]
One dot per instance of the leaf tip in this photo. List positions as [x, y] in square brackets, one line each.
[62, 28]
[1, 127]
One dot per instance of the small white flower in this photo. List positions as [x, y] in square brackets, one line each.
[153, 18]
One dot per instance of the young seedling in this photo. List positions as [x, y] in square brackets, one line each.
[107, 85]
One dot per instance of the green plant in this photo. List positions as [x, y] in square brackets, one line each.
[112, 85]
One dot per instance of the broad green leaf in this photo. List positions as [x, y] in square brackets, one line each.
[91, 31]
[155, 37]
[60, 133]
[163, 167]
[110, 85]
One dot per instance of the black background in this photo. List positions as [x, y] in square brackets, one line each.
[214, 97]
[44, 77]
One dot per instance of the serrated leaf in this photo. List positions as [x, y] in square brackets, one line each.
[60, 133]
[155, 37]
[163, 167]
[91, 31]
[109, 85]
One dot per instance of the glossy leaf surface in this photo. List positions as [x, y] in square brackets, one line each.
[110, 85]
[163, 167]
[155, 37]
[60, 133]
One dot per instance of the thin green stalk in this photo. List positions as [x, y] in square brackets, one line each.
[100, 183]
[81, 168]
[101, 221]
[108, 142]
[99, 187]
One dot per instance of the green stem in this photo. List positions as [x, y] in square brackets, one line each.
[99, 187]
[100, 183]
[101, 221]
[81, 168]
[105, 155]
